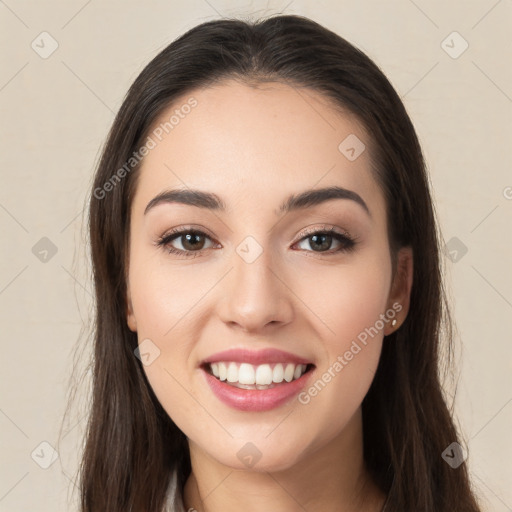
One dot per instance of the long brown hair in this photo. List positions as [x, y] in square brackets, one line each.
[132, 446]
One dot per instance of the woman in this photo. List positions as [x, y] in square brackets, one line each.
[268, 291]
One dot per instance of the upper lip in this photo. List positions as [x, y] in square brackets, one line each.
[255, 357]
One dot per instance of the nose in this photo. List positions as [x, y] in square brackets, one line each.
[255, 296]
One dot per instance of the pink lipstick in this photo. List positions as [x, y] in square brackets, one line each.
[256, 380]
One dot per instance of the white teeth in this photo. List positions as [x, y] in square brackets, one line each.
[223, 371]
[278, 373]
[263, 375]
[252, 376]
[246, 374]
[288, 372]
[232, 372]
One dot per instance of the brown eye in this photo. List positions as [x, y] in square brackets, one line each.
[188, 241]
[192, 241]
[321, 241]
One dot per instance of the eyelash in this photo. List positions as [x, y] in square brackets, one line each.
[347, 242]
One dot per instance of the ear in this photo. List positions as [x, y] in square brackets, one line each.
[400, 293]
[130, 317]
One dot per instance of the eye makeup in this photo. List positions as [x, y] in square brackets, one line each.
[323, 236]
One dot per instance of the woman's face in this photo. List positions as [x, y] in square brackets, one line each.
[257, 281]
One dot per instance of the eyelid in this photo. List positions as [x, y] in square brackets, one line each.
[173, 234]
[322, 229]
[186, 229]
[305, 232]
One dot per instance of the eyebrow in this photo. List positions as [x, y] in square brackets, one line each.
[211, 201]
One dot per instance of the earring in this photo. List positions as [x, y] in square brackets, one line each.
[393, 323]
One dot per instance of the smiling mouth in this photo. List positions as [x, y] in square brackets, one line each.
[261, 377]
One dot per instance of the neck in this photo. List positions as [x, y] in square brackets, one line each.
[331, 478]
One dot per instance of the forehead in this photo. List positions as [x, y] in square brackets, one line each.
[256, 144]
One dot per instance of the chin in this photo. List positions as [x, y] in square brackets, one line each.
[258, 457]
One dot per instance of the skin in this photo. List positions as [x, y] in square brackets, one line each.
[254, 147]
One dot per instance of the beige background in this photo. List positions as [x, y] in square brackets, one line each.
[55, 114]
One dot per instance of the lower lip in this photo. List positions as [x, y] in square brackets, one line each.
[254, 399]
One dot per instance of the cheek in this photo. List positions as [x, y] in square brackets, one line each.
[350, 301]
[346, 299]
[163, 296]
[167, 303]
[358, 302]
[165, 315]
